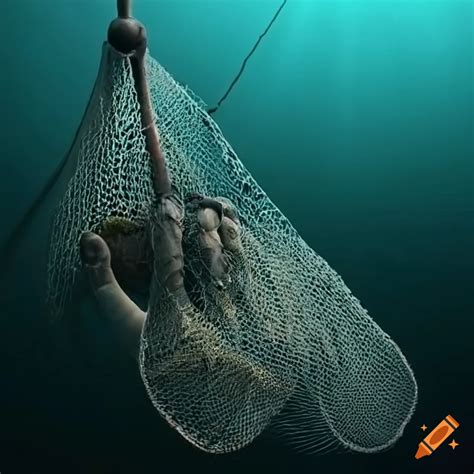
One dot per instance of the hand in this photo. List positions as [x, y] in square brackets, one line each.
[116, 306]
[217, 229]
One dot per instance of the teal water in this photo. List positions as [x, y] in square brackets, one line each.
[356, 118]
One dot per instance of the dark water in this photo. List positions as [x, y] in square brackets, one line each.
[356, 117]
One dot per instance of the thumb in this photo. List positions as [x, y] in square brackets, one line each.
[128, 318]
[95, 256]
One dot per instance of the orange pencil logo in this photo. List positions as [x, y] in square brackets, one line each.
[436, 437]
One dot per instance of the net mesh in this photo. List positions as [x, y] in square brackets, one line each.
[285, 345]
[112, 178]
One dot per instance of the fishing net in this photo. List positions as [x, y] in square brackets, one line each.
[285, 345]
[112, 176]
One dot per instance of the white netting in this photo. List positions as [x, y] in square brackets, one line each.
[113, 175]
[285, 344]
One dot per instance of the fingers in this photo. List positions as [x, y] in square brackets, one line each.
[229, 232]
[167, 236]
[230, 228]
[212, 254]
[218, 236]
[209, 219]
[116, 306]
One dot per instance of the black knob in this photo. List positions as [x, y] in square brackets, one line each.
[126, 35]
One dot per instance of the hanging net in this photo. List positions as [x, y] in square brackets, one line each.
[284, 345]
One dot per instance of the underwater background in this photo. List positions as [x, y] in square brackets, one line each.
[355, 117]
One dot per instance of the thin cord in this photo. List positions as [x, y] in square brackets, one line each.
[244, 63]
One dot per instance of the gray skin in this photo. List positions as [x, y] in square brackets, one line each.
[213, 221]
[217, 234]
